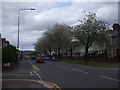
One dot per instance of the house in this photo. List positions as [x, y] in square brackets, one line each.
[114, 50]
[5, 43]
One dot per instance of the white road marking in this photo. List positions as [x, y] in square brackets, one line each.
[31, 73]
[42, 82]
[109, 78]
[80, 71]
[34, 67]
[34, 71]
[38, 75]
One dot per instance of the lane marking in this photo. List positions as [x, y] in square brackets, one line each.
[22, 73]
[34, 67]
[110, 78]
[54, 85]
[38, 75]
[45, 84]
[30, 80]
[41, 80]
[80, 71]
[31, 73]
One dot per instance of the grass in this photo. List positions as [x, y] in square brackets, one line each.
[93, 64]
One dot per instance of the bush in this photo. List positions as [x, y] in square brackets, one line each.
[9, 54]
[95, 55]
[100, 55]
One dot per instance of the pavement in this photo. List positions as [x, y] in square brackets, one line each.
[23, 76]
[60, 75]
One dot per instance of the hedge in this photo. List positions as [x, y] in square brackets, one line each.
[9, 54]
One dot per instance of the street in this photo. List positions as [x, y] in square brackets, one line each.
[23, 76]
[67, 75]
[59, 75]
[57, 45]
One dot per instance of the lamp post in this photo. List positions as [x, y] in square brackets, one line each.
[18, 46]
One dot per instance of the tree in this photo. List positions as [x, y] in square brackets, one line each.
[56, 37]
[9, 54]
[91, 30]
[60, 36]
[40, 45]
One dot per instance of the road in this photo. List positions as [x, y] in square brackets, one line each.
[61, 75]
[67, 75]
[23, 76]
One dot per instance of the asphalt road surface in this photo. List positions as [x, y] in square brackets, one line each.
[61, 75]
[67, 75]
[23, 76]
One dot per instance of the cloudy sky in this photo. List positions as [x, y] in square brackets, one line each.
[34, 23]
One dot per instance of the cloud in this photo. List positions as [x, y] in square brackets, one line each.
[61, 0]
[68, 15]
[28, 38]
[34, 23]
[109, 13]
[96, 0]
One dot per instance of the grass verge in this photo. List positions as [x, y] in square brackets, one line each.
[93, 64]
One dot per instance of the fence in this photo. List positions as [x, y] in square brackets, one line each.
[110, 55]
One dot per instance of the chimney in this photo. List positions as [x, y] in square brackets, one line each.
[116, 26]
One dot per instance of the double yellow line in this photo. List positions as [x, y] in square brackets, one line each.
[37, 69]
[30, 80]
[56, 87]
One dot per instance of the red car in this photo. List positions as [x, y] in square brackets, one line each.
[40, 60]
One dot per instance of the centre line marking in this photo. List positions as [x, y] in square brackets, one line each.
[109, 78]
[80, 71]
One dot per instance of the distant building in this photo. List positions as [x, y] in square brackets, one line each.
[26, 53]
[5, 43]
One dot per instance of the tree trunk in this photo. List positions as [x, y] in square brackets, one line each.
[71, 52]
[45, 53]
[86, 54]
[50, 51]
[59, 56]
[58, 51]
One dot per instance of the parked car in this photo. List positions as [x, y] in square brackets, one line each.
[33, 57]
[47, 58]
[40, 60]
[27, 57]
[55, 59]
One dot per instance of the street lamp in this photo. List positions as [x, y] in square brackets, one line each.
[18, 46]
